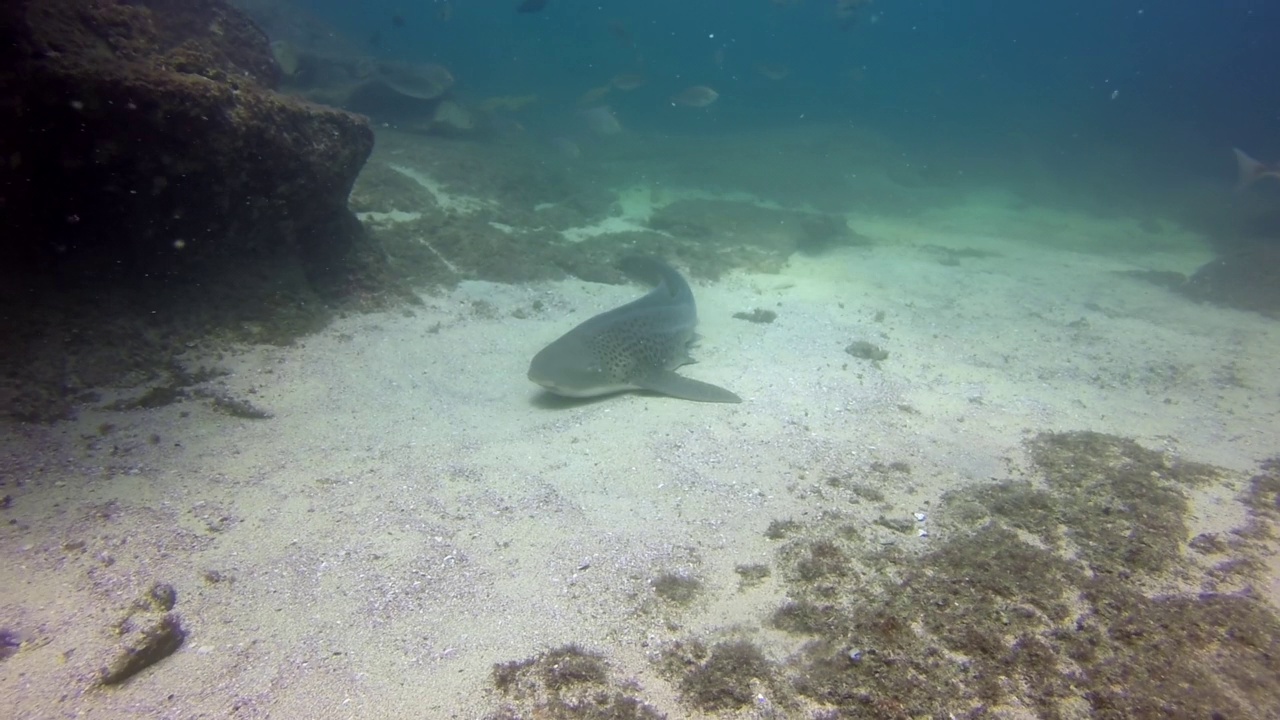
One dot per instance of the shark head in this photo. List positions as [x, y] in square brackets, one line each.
[570, 367]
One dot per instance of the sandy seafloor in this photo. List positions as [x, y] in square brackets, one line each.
[415, 510]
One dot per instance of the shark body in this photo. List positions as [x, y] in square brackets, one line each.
[633, 347]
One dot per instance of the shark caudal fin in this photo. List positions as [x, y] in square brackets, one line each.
[1250, 171]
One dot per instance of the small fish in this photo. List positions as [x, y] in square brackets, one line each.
[633, 347]
[531, 6]
[593, 96]
[619, 30]
[507, 103]
[773, 72]
[505, 127]
[566, 147]
[425, 82]
[697, 96]
[847, 12]
[1251, 171]
[627, 81]
[602, 121]
[286, 56]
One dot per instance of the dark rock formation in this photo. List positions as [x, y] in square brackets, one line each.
[147, 164]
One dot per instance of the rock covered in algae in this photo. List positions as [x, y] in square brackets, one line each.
[153, 178]
[147, 139]
[149, 632]
[154, 639]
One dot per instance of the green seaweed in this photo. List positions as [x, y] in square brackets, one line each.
[677, 588]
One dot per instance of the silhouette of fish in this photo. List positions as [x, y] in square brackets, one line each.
[602, 121]
[773, 72]
[633, 347]
[846, 12]
[619, 30]
[1251, 171]
[627, 81]
[594, 95]
[696, 96]
[531, 6]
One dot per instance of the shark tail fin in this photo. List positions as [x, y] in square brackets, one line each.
[1248, 170]
[659, 273]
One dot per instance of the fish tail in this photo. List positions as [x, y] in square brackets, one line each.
[658, 273]
[1249, 170]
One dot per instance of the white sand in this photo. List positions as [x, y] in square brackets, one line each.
[415, 512]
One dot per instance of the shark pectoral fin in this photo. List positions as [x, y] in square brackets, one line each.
[669, 383]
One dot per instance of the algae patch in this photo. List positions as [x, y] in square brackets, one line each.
[726, 676]
[1042, 598]
[566, 682]
[677, 588]
[1070, 590]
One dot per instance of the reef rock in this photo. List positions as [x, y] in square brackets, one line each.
[142, 138]
[153, 186]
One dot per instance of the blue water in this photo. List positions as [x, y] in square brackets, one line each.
[1183, 81]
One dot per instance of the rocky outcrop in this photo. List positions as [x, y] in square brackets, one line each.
[147, 162]
[146, 136]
